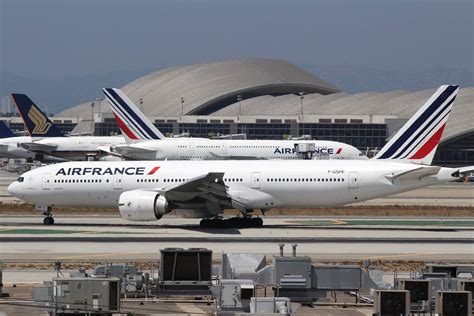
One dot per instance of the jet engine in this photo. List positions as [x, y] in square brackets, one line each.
[140, 205]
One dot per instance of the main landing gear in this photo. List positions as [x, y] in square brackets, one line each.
[48, 220]
[234, 222]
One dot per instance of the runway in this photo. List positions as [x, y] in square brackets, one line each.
[24, 239]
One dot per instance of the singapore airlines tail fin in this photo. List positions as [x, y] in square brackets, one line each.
[37, 123]
[418, 139]
[5, 131]
[135, 126]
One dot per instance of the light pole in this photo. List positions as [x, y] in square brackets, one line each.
[141, 103]
[239, 99]
[301, 103]
[92, 118]
[99, 101]
[92, 111]
[182, 108]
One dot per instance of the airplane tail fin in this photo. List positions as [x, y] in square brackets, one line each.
[37, 123]
[135, 126]
[418, 139]
[5, 131]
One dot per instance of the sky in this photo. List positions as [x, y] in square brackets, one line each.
[56, 39]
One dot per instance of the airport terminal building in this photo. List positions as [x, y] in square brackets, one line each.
[273, 99]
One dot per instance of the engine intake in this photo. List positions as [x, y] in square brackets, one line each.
[139, 205]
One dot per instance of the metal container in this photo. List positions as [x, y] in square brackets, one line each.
[86, 295]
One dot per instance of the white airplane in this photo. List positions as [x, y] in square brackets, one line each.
[47, 139]
[146, 190]
[146, 142]
[10, 147]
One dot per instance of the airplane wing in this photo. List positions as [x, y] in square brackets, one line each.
[36, 147]
[212, 189]
[108, 150]
[134, 152]
[417, 173]
[209, 187]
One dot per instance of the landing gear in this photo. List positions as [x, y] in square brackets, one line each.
[48, 220]
[234, 222]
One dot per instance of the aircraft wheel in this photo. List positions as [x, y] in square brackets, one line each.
[257, 222]
[205, 223]
[234, 222]
[48, 220]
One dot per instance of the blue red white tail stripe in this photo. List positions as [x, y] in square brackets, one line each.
[425, 127]
[131, 120]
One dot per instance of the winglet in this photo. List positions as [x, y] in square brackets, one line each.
[5, 131]
[418, 139]
[37, 123]
[135, 126]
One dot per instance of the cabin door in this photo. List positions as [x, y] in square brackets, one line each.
[46, 181]
[255, 180]
[117, 183]
[353, 180]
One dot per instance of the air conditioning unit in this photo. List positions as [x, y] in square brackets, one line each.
[457, 303]
[392, 302]
[191, 267]
[420, 292]
[466, 285]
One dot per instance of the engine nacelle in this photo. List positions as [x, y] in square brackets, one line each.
[140, 205]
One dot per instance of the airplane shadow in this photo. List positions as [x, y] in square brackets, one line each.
[236, 231]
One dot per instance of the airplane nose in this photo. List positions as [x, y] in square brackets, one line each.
[13, 189]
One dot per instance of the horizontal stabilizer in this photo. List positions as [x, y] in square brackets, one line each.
[413, 174]
[466, 169]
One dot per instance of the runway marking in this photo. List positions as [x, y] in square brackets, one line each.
[49, 231]
[385, 222]
[421, 254]
[106, 254]
[191, 309]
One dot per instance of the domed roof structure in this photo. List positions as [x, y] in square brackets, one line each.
[207, 88]
[269, 88]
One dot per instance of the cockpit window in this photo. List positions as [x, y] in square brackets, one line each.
[20, 179]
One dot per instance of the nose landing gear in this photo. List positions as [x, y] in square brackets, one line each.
[48, 220]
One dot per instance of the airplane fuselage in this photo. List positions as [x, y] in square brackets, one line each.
[304, 183]
[214, 149]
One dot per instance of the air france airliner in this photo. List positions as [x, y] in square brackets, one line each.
[47, 139]
[146, 142]
[147, 190]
